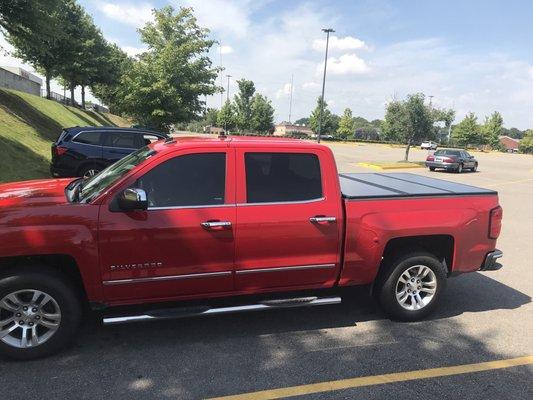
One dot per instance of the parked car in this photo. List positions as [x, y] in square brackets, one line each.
[224, 218]
[429, 145]
[85, 151]
[451, 160]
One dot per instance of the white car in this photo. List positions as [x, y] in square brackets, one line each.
[429, 145]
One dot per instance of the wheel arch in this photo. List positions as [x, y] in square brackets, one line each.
[62, 264]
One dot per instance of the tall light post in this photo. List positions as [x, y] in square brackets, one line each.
[328, 31]
[227, 91]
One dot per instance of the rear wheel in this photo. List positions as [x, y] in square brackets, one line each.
[459, 169]
[411, 286]
[89, 171]
[432, 168]
[39, 314]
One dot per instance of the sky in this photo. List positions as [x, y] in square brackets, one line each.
[469, 55]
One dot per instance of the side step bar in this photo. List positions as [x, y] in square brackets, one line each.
[195, 311]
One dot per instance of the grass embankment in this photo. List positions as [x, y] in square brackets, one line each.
[28, 126]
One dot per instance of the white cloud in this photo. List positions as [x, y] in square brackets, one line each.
[225, 49]
[345, 64]
[135, 14]
[227, 17]
[133, 51]
[310, 85]
[336, 43]
[284, 91]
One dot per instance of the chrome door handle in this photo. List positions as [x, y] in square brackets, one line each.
[319, 219]
[216, 224]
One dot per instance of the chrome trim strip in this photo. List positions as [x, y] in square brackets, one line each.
[281, 202]
[185, 207]
[220, 310]
[166, 278]
[280, 269]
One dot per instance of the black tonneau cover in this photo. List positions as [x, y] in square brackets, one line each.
[376, 185]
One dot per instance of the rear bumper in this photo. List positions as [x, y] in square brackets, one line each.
[442, 165]
[490, 263]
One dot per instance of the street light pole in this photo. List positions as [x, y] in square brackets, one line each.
[328, 31]
[227, 91]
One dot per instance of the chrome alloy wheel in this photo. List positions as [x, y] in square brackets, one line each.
[90, 173]
[28, 318]
[416, 287]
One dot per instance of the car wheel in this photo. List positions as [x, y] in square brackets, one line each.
[432, 168]
[89, 171]
[39, 314]
[474, 169]
[411, 286]
[459, 169]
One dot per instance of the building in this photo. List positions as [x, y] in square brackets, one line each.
[286, 128]
[510, 144]
[19, 79]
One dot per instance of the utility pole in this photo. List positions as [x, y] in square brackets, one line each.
[220, 60]
[431, 101]
[227, 91]
[290, 101]
[328, 31]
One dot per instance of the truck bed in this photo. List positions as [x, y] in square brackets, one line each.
[394, 185]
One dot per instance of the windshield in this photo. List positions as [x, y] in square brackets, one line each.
[95, 185]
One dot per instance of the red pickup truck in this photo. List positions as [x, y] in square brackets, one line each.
[193, 220]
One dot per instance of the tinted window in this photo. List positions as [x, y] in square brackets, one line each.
[88, 138]
[190, 180]
[277, 177]
[447, 153]
[125, 140]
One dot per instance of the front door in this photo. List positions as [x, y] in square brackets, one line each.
[183, 245]
[287, 227]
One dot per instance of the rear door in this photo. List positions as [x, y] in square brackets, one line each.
[287, 232]
[118, 144]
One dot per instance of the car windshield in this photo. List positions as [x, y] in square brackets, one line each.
[447, 153]
[93, 186]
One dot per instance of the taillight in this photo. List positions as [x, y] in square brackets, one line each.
[495, 222]
[60, 150]
[430, 158]
[447, 160]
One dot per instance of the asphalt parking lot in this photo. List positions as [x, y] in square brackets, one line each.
[484, 317]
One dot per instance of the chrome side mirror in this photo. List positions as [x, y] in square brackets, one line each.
[133, 199]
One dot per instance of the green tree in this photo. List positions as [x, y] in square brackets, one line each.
[262, 114]
[492, 130]
[526, 144]
[226, 117]
[346, 124]
[168, 82]
[329, 123]
[34, 29]
[408, 121]
[243, 104]
[302, 121]
[467, 131]
[210, 117]
[447, 116]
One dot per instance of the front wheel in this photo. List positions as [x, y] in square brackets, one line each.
[474, 168]
[411, 286]
[432, 168]
[39, 314]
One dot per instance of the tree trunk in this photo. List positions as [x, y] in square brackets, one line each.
[72, 86]
[406, 158]
[83, 96]
[47, 86]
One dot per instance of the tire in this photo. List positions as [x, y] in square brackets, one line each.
[89, 171]
[474, 169]
[459, 169]
[389, 286]
[63, 323]
[432, 169]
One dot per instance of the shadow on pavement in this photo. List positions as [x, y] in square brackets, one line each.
[230, 354]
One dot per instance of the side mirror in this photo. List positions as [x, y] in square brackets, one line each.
[132, 199]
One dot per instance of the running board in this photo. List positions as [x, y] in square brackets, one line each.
[196, 311]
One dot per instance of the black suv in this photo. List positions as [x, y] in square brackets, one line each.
[85, 151]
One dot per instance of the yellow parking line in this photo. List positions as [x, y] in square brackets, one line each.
[379, 379]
